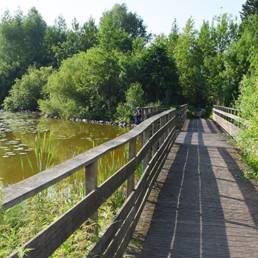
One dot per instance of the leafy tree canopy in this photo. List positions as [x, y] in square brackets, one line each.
[119, 28]
[250, 7]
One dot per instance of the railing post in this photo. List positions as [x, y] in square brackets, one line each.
[146, 135]
[144, 113]
[167, 131]
[155, 145]
[91, 183]
[131, 154]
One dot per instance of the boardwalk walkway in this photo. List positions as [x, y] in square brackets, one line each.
[201, 205]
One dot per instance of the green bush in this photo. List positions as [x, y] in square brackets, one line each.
[26, 91]
[86, 85]
[134, 99]
[247, 139]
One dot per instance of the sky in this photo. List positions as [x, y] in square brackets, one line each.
[158, 15]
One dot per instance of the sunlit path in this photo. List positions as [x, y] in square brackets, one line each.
[201, 206]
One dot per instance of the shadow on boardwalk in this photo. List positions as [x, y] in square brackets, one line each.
[201, 206]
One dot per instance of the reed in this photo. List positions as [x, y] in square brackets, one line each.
[25, 220]
[43, 150]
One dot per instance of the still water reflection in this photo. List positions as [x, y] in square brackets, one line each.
[28, 143]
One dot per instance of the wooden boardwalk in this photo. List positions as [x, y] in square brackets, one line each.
[201, 205]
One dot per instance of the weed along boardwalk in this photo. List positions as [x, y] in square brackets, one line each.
[201, 205]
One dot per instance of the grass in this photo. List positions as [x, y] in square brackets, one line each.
[22, 222]
[43, 150]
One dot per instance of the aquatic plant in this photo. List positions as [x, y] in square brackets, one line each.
[25, 220]
[44, 151]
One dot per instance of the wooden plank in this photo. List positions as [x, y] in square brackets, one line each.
[109, 234]
[51, 238]
[224, 205]
[131, 154]
[48, 240]
[31, 186]
[145, 184]
[230, 128]
[91, 183]
[231, 116]
[125, 241]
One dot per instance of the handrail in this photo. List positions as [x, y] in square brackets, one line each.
[158, 135]
[147, 112]
[34, 184]
[228, 119]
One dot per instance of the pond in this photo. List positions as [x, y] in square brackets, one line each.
[29, 144]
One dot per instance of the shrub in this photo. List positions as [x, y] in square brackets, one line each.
[26, 91]
[134, 99]
[247, 139]
[86, 85]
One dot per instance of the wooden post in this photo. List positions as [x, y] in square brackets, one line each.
[144, 113]
[161, 125]
[91, 183]
[167, 119]
[146, 135]
[154, 147]
[131, 154]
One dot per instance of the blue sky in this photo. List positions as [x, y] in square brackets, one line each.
[157, 14]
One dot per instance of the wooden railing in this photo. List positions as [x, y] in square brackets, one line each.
[157, 135]
[147, 112]
[228, 119]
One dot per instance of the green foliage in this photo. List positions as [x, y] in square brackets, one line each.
[247, 140]
[21, 45]
[44, 150]
[26, 91]
[119, 28]
[86, 85]
[189, 66]
[158, 74]
[237, 59]
[250, 7]
[123, 113]
[135, 96]
[76, 40]
[134, 99]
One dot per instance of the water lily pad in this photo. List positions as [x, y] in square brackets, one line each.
[10, 153]
[19, 149]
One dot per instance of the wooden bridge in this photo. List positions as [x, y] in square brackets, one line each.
[191, 200]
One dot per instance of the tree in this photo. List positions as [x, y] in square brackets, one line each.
[86, 85]
[21, 45]
[76, 40]
[26, 91]
[250, 7]
[158, 74]
[172, 38]
[214, 43]
[188, 62]
[237, 59]
[119, 28]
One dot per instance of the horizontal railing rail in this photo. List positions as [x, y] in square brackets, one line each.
[147, 112]
[34, 184]
[157, 135]
[228, 119]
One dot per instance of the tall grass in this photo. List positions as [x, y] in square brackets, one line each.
[43, 150]
[25, 220]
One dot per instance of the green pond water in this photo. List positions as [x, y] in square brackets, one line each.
[29, 144]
